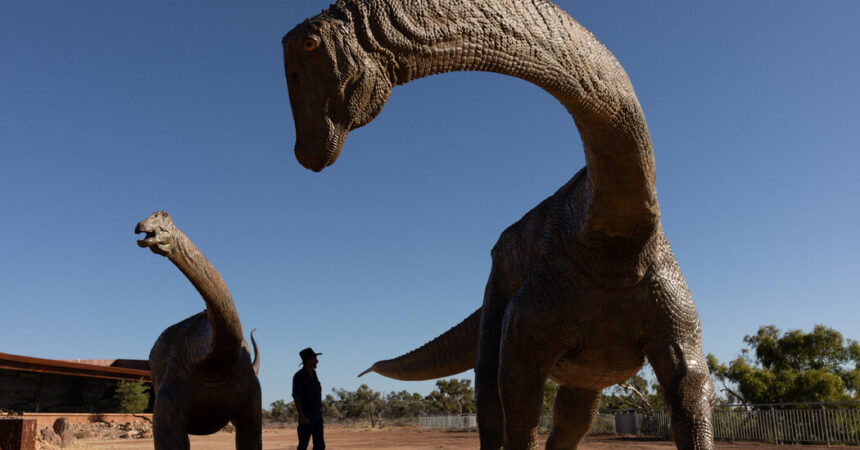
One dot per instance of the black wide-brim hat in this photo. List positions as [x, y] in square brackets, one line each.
[308, 353]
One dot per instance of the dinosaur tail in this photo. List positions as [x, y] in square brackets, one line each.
[256, 363]
[454, 351]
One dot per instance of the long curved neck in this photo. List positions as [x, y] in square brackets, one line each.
[226, 341]
[536, 41]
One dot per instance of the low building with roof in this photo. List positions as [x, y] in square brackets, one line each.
[29, 384]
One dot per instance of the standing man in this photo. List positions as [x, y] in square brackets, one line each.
[307, 395]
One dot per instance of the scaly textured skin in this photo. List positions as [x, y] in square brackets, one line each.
[584, 286]
[202, 373]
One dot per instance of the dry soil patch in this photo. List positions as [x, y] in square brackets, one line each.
[396, 438]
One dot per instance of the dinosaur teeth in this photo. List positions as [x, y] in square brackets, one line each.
[148, 240]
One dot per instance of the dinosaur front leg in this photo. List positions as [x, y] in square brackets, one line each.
[249, 435]
[249, 427]
[169, 428]
[683, 373]
[674, 349]
[573, 413]
[533, 339]
[489, 407]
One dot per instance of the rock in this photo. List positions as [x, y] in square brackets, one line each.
[61, 425]
[63, 429]
[48, 436]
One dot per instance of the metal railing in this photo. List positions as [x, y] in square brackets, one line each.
[605, 423]
[463, 421]
[826, 423]
[788, 423]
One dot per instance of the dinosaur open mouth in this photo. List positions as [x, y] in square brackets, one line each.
[149, 238]
[147, 241]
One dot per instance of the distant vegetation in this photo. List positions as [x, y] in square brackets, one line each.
[450, 397]
[794, 366]
[820, 366]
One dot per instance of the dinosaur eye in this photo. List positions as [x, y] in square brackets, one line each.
[310, 43]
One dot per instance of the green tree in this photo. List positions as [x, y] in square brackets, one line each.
[404, 404]
[282, 411]
[641, 392]
[132, 396]
[363, 402]
[278, 410]
[452, 396]
[792, 367]
[329, 407]
[550, 389]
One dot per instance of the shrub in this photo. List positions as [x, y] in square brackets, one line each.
[132, 396]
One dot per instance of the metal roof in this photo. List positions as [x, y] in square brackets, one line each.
[59, 367]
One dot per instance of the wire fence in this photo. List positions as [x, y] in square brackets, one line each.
[781, 423]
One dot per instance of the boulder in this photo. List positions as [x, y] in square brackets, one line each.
[48, 436]
[63, 429]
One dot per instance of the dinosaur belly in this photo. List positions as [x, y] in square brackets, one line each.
[206, 421]
[212, 407]
[598, 367]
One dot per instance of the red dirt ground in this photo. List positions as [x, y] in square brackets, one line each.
[399, 438]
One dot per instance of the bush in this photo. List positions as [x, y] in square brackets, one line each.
[132, 396]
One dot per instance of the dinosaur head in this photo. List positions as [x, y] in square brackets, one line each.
[159, 231]
[334, 84]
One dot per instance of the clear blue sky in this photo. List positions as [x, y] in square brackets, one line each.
[110, 110]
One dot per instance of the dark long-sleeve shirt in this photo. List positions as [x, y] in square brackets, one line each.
[308, 391]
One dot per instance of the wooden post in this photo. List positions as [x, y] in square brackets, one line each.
[17, 434]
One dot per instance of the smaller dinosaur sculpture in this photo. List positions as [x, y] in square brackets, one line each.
[202, 373]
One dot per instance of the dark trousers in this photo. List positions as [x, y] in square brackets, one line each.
[315, 429]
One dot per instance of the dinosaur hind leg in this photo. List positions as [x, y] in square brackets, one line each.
[573, 413]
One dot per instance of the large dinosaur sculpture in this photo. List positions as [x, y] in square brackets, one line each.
[202, 373]
[585, 286]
